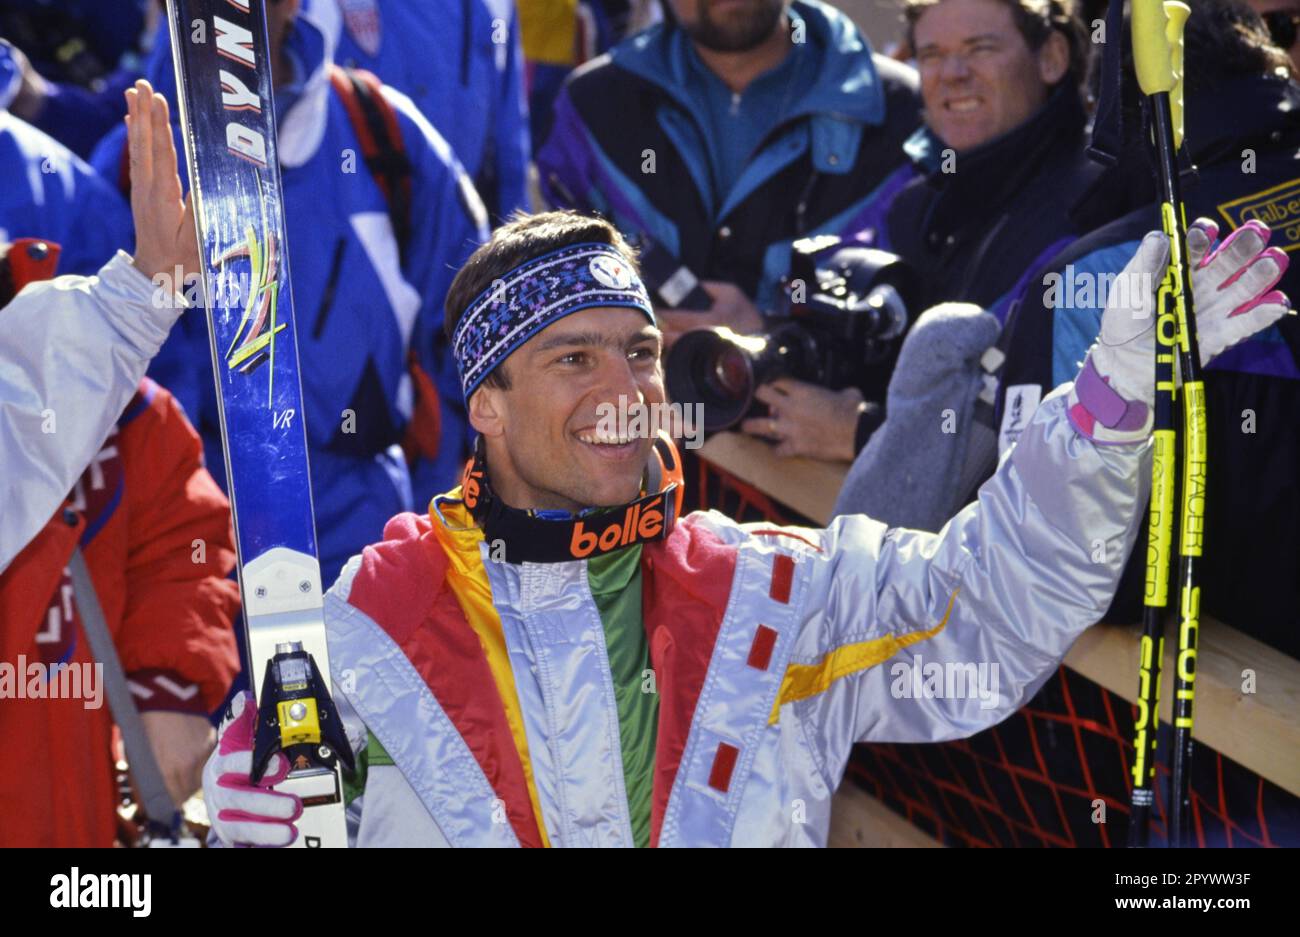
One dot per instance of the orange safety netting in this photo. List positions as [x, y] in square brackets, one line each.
[711, 488]
[1035, 780]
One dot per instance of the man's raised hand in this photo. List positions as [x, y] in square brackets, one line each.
[164, 223]
[1233, 297]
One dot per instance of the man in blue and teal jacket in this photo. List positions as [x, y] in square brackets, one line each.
[716, 141]
[723, 137]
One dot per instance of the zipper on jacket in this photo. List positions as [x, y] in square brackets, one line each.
[984, 247]
[466, 40]
[801, 207]
[327, 298]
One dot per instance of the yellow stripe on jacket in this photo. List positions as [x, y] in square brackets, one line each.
[804, 680]
[469, 583]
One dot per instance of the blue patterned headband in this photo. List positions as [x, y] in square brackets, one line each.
[535, 294]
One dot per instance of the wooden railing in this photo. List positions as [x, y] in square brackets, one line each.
[1247, 694]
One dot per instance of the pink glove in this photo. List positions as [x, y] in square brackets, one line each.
[243, 813]
[1232, 288]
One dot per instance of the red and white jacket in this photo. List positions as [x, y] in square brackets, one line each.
[156, 534]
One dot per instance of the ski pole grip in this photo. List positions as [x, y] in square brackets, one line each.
[1158, 52]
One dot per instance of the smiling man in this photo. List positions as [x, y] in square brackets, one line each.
[551, 657]
[720, 137]
[985, 68]
[1001, 157]
[996, 174]
[540, 413]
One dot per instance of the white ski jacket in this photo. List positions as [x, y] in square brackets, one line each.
[72, 352]
[774, 650]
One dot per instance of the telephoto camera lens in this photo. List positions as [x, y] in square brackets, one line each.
[721, 369]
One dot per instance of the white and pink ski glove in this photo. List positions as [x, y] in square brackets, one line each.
[243, 813]
[1232, 288]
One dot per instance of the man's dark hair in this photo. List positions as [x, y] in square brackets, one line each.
[1225, 40]
[1035, 20]
[518, 241]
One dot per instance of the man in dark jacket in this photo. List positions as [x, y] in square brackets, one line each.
[716, 141]
[724, 138]
[1001, 160]
[1243, 134]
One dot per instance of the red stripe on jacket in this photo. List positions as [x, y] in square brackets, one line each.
[402, 586]
[687, 582]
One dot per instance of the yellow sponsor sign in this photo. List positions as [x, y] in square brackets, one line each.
[1278, 207]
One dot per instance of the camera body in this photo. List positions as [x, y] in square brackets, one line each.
[841, 322]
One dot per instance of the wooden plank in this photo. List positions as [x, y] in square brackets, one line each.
[1260, 730]
[860, 821]
[807, 485]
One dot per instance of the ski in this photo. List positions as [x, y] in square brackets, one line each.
[223, 80]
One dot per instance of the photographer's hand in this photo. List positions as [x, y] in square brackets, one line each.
[731, 307]
[807, 420]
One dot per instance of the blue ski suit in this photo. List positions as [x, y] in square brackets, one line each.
[361, 307]
[49, 192]
[461, 62]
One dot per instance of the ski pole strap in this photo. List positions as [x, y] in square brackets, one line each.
[1108, 126]
[1105, 404]
[156, 800]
